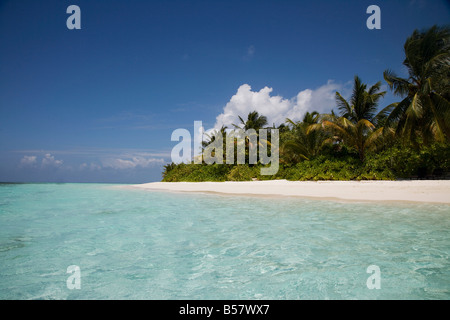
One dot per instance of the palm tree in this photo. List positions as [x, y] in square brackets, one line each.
[363, 103]
[361, 135]
[167, 168]
[358, 118]
[425, 109]
[254, 121]
[212, 137]
[303, 143]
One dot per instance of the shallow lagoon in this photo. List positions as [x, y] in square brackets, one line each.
[138, 244]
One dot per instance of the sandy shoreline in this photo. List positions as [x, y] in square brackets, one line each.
[433, 191]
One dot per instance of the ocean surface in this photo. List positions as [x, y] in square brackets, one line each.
[138, 244]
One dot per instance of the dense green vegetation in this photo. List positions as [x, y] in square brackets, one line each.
[361, 141]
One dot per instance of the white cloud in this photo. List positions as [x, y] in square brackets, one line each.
[47, 161]
[50, 160]
[94, 160]
[28, 161]
[101, 152]
[92, 166]
[134, 162]
[277, 108]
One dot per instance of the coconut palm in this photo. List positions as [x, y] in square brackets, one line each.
[302, 143]
[361, 135]
[425, 109]
[363, 103]
[211, 137]
[358, 118]
[254, 121]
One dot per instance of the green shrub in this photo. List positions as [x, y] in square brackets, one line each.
[395, 162]
[242, 172]
[407, 162]
[196, 173]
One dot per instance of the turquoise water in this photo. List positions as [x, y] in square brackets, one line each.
[136, 244]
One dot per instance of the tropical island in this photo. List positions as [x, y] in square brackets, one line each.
[361, 140]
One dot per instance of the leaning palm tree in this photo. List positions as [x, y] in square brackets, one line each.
[425, 108]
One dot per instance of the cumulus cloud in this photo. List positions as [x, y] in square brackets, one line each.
[93, 160]
[92, 166]
[134, 162]
[47, 161]
[50, 160]
[277, 108]
[28, 161]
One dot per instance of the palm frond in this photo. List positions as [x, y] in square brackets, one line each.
[441, 111]
[343, 106]
[415, 109]
[399, 85]
[381, 117]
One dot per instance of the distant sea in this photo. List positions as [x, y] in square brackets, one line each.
[140, 244]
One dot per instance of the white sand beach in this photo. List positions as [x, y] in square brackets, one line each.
[433, 191]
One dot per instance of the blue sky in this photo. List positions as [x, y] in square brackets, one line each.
[99, 104]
